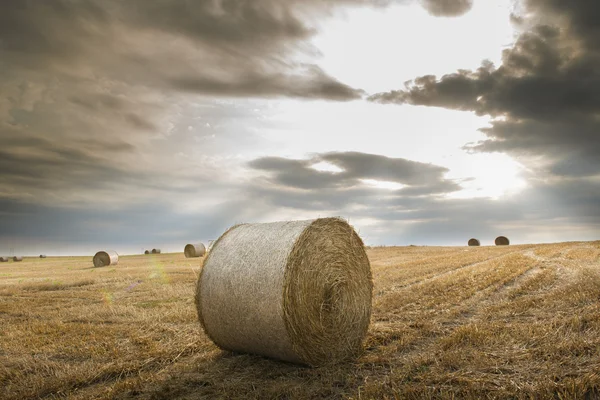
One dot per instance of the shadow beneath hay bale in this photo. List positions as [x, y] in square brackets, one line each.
[241, 376]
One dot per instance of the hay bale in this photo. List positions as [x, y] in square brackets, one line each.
[194, 250]
[210, 245]
[104, 258]
[42, 256]
[502, 241]
[474, 242]
[155, 251]
[147, 252]
[3, 259]
[298, 291]
[17, 258]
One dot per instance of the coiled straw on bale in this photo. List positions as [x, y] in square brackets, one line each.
[297, 291]
[147, 252]
[502, 241]
[155, 251]
[194, 250]
[3, 259]
[104, 258]
[17, 258]
[473, 242]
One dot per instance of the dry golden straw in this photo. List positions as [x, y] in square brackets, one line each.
[194, 250]
[104, 258]
[17, 258]
[155, 251]
[502, 241]
[298, 291]
[474, 242]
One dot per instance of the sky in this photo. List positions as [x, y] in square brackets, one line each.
[140, 124]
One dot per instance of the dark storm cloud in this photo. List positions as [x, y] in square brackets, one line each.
[545, 96]
[420, 178]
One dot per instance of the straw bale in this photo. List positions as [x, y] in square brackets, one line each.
[42, 256]
[298, 291]
[474, 242]
[17, 258]
[104, 258]
[155, 251]
[194, 250]
[147, 252]
[3, 259]
[502, 241]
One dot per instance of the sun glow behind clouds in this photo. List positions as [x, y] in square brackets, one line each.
[324, 166]
[382, 184]
[490, 175]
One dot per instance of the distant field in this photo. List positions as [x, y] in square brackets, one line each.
[464, 322]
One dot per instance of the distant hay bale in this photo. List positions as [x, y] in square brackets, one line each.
[147, 252]
[301, 291]
[104, 258]
[42, 256]
[194, 250]
[502, 241]
[3, 259]
[474, 242]
[17, 258]
[155, 251]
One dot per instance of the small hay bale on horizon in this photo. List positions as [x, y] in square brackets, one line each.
[194, 250]
[155, 251]
[502, 241]
[105, 258]
[17, 258]
[42, 256]
[147, 252]
[3, 259]
[474, 242]
[302, 293]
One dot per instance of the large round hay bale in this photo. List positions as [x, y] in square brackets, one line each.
[210, 245]
[502, 241]
[104, 258]
[17, 258]
[3, 259]
[147, 252]
[474, 242]
[194, 250]
[155, 251]
[42, 256]
[298, 291]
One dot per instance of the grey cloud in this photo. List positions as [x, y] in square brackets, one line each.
[544, 97]
[421, 178]
[449, 8]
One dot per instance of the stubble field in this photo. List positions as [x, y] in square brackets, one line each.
[448, 322]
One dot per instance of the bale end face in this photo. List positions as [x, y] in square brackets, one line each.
[147, 252]
[473, 242]
[502, 241]
[155, 251]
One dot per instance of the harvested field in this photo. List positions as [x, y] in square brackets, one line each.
[519, 321]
